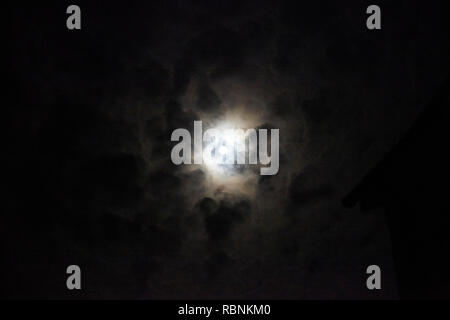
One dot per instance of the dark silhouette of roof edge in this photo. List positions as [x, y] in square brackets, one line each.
[374, 189]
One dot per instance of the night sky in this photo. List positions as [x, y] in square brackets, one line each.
[90, 112]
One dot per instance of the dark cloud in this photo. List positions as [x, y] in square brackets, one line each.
[319, 109]
[219, 223]
[207, 99]
[176, 117]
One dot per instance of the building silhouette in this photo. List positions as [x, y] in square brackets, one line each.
[411, 184]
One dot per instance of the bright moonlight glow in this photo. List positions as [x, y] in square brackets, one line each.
[223, 150]
[230, 177]
[220, 151]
